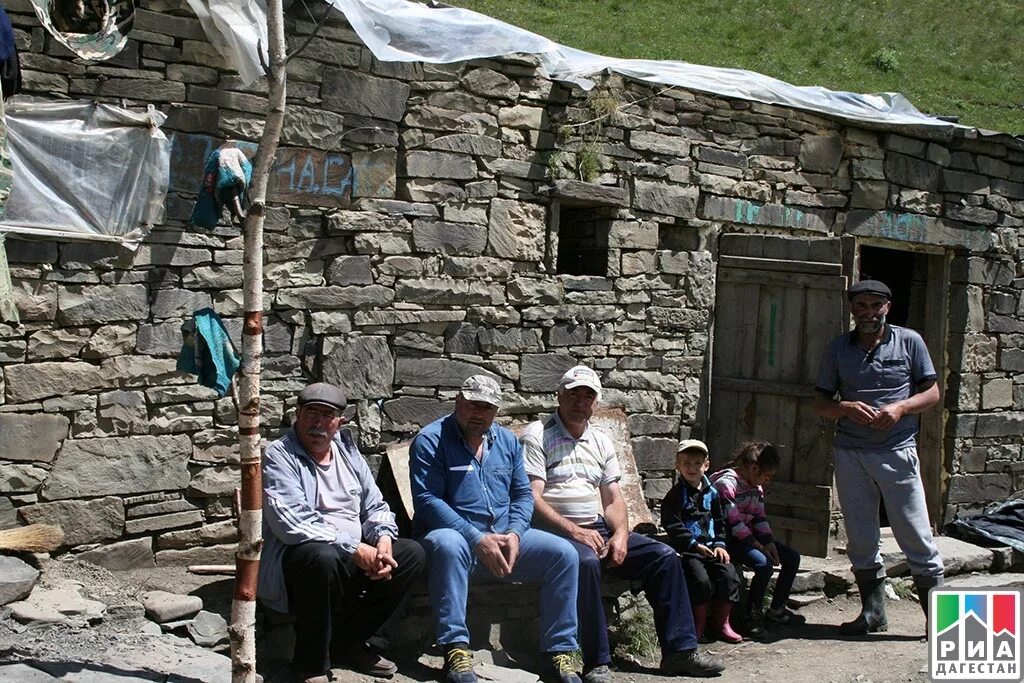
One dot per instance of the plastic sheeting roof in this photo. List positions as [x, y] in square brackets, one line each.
[403, 31]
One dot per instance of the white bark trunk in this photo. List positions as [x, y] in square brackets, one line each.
[243, 608]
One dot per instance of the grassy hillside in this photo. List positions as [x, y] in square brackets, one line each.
[962, 58]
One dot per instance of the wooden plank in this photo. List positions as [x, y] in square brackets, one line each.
[775, 388]
[721, 433]
[613, 422]
[766, 277]
[736, 321]
[740, 244]
[786, 247]
[933, 426]
[826, 320]
[808, 526]
[783, 265]
[828, 250]
[799, 495]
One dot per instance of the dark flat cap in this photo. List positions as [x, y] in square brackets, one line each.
[324, 393]
[869, 287]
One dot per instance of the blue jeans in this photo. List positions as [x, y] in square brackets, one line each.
[656, 566]
[746, 555]
[544, 559]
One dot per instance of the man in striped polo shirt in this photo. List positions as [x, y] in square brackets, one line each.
[574, 474]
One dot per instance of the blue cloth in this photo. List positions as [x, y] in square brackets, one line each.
[693, 517]
[890, 372]
[7, 46]
[544, 559]
[10, 64]
[211, 355]
[656, 566]
[452, 490]
[290, 516]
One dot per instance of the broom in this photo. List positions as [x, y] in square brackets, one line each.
[33, 538]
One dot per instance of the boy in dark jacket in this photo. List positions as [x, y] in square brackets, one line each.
[693, 517]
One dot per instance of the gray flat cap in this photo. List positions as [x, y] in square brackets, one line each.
[869, 287]
[324, 394]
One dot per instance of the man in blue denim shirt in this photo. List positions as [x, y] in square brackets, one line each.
[473, 505]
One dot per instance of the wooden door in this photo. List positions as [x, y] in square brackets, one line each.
[779, 301]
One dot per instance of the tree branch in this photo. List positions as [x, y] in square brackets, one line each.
[316, 29]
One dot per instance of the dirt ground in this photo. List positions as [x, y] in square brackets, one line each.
[812, 653]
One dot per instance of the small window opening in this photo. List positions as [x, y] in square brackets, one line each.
[583, 240]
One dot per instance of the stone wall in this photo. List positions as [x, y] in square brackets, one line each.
[412, 239]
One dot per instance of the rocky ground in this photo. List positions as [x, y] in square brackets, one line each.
[107, 636]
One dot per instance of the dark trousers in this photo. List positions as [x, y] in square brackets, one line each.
[656, 566]
[335, 604]
[763, 570]
[708, 578]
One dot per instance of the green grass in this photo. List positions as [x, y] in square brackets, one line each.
[963, 58]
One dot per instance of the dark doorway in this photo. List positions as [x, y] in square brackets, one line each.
[907, 273]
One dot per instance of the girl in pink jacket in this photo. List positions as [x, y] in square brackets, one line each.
[749, 537]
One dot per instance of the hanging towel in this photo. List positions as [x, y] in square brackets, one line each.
[226, 177]
[208, 351]
[8, 311]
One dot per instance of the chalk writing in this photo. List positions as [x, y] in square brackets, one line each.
[312, 176]
[906, 227]
[299, 176]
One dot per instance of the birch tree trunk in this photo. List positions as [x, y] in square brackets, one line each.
[242, 628]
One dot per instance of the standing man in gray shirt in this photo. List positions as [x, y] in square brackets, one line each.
[331, 551]
[874, 381]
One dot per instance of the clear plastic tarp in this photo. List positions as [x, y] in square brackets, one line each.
[84, 169]
[238, 30]
[403, 31]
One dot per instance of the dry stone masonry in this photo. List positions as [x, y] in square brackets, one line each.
[413, 238]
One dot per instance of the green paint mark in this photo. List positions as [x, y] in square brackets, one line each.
[947, 611]
[771, 334]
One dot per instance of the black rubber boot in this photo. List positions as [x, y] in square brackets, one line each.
[872, 617]
[924, 585]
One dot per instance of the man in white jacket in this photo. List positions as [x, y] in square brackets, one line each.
[332, 555]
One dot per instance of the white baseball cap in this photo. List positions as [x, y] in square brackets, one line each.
[581, 376]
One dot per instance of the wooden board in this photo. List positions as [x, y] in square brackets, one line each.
[611, 420]
[779, 300]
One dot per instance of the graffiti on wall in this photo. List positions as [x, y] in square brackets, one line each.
[300, 175]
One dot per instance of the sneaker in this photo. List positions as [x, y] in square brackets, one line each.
[784, 617]
[458, 664]
[563, 668]
[599, 674]
[691, 663]
[358, 657]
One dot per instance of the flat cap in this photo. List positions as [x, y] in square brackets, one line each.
[324, 394]
[869, 287]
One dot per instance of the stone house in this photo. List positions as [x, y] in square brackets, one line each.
[432, 221]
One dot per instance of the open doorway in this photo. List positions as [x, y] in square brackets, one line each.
[920, 285]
